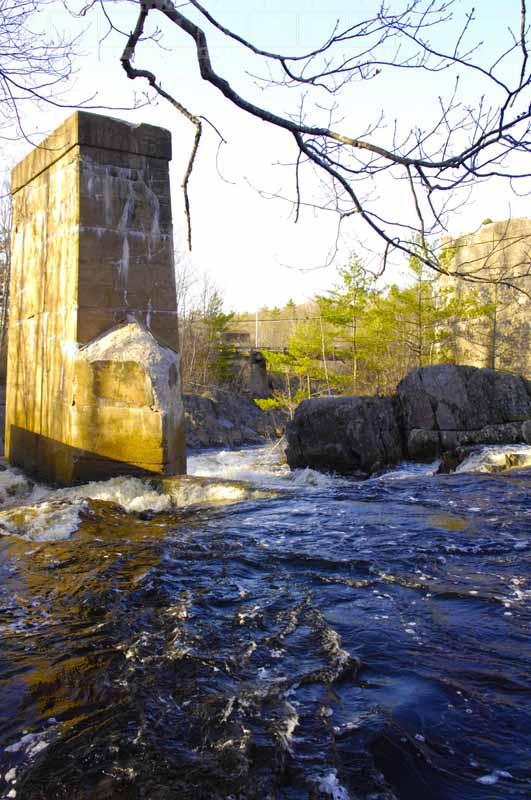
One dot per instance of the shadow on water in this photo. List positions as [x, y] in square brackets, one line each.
[342, 640]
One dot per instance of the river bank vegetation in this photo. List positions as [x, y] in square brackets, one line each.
[361, 337]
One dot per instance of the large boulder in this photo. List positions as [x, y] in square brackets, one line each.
[437, 410]
[350, 435]
[446, 406]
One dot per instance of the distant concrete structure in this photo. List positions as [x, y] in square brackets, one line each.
[257, 379]
[501, 253]
[93, 386]
[241, 340]
[249, 365]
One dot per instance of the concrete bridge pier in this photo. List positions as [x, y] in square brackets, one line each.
[93, 387]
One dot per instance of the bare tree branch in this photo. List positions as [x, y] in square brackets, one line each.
[196, 121]
[465, 144]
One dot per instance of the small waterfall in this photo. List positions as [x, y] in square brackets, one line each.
[497, 458]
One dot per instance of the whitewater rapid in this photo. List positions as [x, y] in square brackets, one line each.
[39, 513]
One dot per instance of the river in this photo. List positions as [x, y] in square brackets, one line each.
[337, 639]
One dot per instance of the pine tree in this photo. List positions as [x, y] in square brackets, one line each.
[345, 308]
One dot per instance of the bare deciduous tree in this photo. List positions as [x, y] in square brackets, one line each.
[38, 61]
[469, 140]
[202, 323]
[35, 62]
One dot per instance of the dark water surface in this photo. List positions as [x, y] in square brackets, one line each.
[341, 640]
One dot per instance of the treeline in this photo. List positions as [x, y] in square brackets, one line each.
[207, 358]
[360, 338]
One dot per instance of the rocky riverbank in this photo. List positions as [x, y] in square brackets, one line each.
[223, 419]
[436, 412]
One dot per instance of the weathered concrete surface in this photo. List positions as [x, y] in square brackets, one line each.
[501, 253]
[251, 375]
[127, 402]
[91, 248]
[350, 435]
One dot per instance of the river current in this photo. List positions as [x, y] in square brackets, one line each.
[336, 639]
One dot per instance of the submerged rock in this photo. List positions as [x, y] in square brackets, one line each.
[350, 435]
[485, 459]
[193, 490]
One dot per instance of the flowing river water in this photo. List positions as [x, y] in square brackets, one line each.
[336, 639]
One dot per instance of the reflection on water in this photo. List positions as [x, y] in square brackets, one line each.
[336, 640]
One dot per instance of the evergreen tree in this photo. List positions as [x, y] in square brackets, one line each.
[345, 308]
[219, 356]
[424, 315]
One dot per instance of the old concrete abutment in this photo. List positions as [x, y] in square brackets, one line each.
[93, 385]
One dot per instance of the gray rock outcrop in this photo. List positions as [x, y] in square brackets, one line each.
[446, 406]
[351, 435]
[224, 419]
[436, 410]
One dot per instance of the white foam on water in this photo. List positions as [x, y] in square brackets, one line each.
[290, 723]
[493, 457]
[184, 494]
[49, 521]
[263, 466]
[287, 726]
[329, 785]
[258, 464]
[132, 494]
[30, 744]
[13, 483]
[26, 749]
[493, 777]
[409, 469]
[310, 477]
[54, 515]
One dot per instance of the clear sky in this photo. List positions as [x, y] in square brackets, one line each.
[249, 244]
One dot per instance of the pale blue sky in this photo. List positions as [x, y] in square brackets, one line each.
[243, 240]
